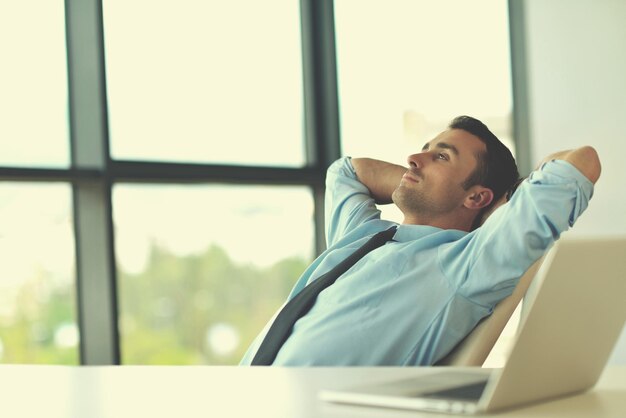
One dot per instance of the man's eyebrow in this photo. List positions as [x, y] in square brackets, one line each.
[443, 145]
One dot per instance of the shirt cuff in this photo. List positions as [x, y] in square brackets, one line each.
[563, 172]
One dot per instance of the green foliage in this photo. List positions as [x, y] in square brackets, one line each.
[166, 312]
[169, 310]
[29, 335]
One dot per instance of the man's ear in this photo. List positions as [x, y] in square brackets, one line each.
[479, 198]
[485, 214]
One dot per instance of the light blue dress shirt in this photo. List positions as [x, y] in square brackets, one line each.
[412, 300]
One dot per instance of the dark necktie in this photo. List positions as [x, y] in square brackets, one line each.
[304, 301]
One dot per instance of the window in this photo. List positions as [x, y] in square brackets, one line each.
[202, 268]
[34, 100]
[37, 297]
[206, 81]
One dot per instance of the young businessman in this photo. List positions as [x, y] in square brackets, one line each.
[410, 301]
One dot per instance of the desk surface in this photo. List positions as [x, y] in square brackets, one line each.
[205, 391]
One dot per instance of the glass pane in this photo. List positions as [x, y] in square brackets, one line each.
[37, 292]
[426, 62]
[33, 100]
[205, 81]
[202, 268]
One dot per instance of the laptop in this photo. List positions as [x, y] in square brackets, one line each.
[565, 338]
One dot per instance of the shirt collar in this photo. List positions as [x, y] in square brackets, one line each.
[406, 233]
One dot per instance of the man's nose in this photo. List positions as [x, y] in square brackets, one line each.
[417, 160]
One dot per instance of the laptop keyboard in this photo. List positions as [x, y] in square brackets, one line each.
[471, 392]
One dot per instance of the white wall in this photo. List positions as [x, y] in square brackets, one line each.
[576, 63]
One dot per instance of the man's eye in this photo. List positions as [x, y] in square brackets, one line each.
[442, 156]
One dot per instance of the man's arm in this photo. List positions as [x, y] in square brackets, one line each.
[380, 177]
[585, 159]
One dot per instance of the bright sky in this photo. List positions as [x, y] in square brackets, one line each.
[254, 224]
[33, 84]
[407, 67]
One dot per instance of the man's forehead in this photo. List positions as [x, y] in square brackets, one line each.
[462, 141]
[442, 145]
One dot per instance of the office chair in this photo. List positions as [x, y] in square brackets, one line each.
[474, 349]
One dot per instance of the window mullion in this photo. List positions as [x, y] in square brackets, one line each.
[96, 289]
[519, 80]
[320, 96]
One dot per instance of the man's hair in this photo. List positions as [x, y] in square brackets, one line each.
[496, 168]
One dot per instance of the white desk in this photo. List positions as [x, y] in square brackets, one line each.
[217, 392]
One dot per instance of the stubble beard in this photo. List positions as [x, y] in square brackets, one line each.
[418, 202]
[410, 201]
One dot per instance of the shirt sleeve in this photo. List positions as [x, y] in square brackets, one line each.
[487, 263]
[348, 201]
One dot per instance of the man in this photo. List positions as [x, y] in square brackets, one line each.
[410, 301]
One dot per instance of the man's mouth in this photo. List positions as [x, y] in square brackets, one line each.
[410, 176]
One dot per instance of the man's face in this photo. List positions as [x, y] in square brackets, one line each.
[433, 184]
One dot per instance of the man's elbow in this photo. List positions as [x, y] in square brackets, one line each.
[587, 161]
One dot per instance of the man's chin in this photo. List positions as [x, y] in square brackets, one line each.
[396, 195]
[403, 198]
